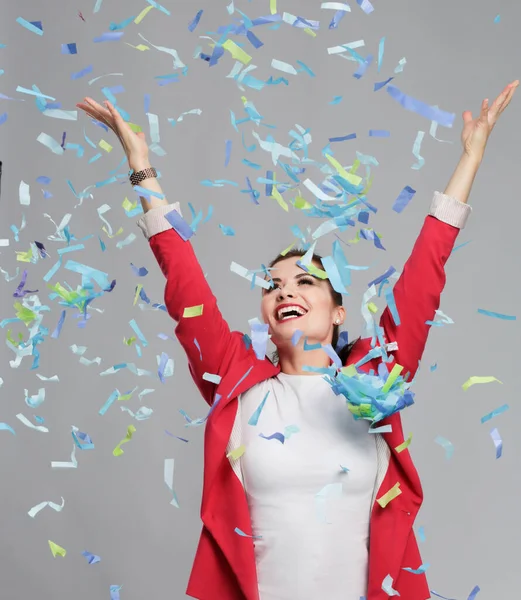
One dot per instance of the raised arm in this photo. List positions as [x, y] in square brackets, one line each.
[417, 292]
[206, 338]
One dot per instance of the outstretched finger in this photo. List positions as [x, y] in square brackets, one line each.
[503, 100]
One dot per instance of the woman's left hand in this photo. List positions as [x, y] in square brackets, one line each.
[476, 131]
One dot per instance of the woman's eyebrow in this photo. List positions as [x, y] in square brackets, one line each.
[276, 279]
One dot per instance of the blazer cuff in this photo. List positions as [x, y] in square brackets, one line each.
[449, 210]
[154, 222]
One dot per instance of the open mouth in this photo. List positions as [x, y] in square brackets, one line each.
[288, 312]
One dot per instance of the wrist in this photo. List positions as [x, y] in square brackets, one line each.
[138, 164]
[471, 159]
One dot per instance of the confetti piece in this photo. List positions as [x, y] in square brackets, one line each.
[498, 442]
[237, 453]
[28, 423]
[331, 490]
[475, 380]
[420, 161]
[193, 311]
[494, 413]
[254, 419]
[57, 550]
[474, 593]
[379, 133]
[387, 586]
[430, 112]
[403, 199]
[72, 464]
[35, 27]
[193, 24]
[421, 534]
[419, 571]
[92, 559]
[495, 315]
[242, 534]
[274, 436]
[169, 480]
[393, 493]
[497, 18]
[448, 446]
[114, 589]
[130, 432]
[6, 427]
[404, 445]
[350, 136]
[237, 52]
[36, 509]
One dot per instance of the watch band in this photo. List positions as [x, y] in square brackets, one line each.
[140, 176]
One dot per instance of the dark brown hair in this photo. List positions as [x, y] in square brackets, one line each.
[345, 350]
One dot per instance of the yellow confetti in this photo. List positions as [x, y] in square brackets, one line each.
[105, 146]
[276, 194]
[128, 205]
[301, 203]
[140, 47]
[130, 341]
[310, 32]
[143, 14]
[135, 128]
[393, 376]
[371, 307]
[405, 444]
[313, 270]
[351, 177]
[393, 493]
[24, 256]
[273, 7]
[474, 380]
[130, 431]
[237, 453]
[286, 250]
[237, 52]
[57, 550]
[193, 311]
[138, 291]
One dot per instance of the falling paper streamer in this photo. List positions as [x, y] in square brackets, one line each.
[496, 315]
[430, 112]
[57, 550]
[477, 380]
[72, 464]
[494, 413]
[28, 423]
[474, 593]
[419, 571]
[36, 509]
[416, 147]
[403, 199]
[6, 427]
[448, 446]
[169, 480]
[114, 589]
[92, 559]
[130, 432]
[498, 442]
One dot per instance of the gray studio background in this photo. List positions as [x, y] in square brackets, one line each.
[119, 508]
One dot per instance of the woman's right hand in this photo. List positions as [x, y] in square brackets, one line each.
[134, 144]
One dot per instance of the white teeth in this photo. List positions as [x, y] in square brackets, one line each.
[282, 314]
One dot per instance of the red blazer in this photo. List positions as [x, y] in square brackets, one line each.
[224, 566]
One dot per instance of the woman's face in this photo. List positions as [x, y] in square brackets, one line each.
[301, 301]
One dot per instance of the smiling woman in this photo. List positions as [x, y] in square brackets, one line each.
[294, 288]
[266, 526]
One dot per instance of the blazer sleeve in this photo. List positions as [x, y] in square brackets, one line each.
[418, 290]
[209, 344]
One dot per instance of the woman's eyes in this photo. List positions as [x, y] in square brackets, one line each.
[308, 281]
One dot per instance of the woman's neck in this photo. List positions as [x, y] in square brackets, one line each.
[293, 361]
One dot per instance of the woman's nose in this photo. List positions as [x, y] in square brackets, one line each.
[283, 293]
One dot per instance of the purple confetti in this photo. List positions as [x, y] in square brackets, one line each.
[274, 436]
[403, 199]
[193, 24]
